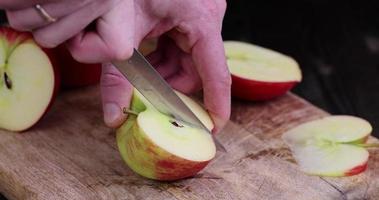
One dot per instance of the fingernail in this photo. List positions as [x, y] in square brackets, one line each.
[112, 113]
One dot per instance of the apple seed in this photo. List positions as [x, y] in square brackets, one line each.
[176, 124]
[7, 81]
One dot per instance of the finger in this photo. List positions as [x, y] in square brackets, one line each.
[167, 67]
[56, 33]
[166, 58]
[20, 4]
[209, 57]
[221, 8]
[116, 94]
[114, 39]
[29, 18]
[187, 80]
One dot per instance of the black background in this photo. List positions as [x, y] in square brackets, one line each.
[335, 42]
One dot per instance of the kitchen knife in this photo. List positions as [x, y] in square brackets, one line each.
[155, 89]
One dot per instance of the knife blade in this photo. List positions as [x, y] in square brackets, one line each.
[142, 75]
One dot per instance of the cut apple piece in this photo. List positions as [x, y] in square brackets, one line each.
[331, 146]
[159, 147]
[259, 73]
[27, 81]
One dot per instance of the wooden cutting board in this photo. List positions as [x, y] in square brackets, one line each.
[72, 155]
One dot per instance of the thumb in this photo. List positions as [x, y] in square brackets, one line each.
[116, 94]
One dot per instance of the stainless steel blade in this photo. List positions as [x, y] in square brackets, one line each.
[154, 88]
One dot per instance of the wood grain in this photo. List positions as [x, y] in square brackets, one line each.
[72, 155]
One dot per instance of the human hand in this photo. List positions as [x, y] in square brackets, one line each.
[189, 56]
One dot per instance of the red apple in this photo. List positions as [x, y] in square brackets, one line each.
[73, 73]
[259, 73]
[28, 80]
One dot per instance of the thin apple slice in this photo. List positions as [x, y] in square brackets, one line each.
[329, 159]
[259, 73]
[159, 147]
[27, 81]
[330, 146]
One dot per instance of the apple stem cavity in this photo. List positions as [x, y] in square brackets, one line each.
[7, 81]
[128, 111]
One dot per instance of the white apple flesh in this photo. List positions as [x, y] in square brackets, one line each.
[159, 147]
[27, 81]
[331, 146]
[259, 73]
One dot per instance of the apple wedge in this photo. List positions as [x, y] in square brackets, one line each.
[331, 146]
[259, 73]
[28, 81]
[159, 147]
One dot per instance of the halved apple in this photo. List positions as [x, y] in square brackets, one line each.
[259, 73]
[160, 147]
[73, 73]
[28, 81]
[331, 146]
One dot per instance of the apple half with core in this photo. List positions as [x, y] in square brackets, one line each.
[331, 146]
[28, 81]
[259, 73]
[159, 147]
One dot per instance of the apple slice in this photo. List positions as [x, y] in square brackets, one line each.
[159, 147]
[28, 81]
[259, 73]
[331, 146]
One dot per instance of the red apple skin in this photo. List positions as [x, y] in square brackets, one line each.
[15, 38]
[149, 160]
[166, 167]
[253, 90]
[73, 73]
[357, 170]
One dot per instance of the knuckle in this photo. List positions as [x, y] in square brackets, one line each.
[110, 79]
